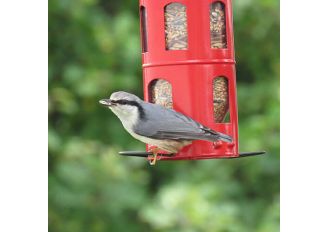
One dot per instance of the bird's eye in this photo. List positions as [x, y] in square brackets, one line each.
[121, 102]
[125, 102]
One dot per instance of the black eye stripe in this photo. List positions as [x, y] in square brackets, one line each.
[131, 103]
[124, 102]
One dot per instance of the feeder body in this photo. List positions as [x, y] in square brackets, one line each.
[190, 66]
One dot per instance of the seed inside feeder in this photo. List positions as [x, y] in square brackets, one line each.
[220, 98]
[218, 25]
[161, 93]
[176, 34]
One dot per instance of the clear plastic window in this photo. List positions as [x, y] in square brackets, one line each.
[220, 99]
[176, 35]
[144, 29]
[160, 92]
[218, 25]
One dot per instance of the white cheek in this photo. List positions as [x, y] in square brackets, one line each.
[127, 114]
[125, 110]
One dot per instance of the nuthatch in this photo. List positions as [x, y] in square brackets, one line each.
[153, 124]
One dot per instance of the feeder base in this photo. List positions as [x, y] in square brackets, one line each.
[146, 154]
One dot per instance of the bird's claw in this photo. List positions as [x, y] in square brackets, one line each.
[153, 160]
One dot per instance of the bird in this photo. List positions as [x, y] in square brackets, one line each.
[153, 124]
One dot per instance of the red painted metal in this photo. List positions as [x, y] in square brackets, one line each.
[191, 72]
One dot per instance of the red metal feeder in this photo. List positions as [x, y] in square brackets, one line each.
[189, 65]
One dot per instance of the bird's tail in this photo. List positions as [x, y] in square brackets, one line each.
[223, 137]
[214, 136]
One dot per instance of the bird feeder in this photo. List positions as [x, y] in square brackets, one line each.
[189, 65]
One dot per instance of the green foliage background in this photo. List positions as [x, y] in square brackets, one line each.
[94, 49]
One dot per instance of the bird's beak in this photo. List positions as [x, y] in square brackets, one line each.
[106, 102]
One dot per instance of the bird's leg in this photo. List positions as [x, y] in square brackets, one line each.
[155, 151]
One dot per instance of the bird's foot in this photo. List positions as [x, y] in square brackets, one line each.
[155, 151]
[153, 160]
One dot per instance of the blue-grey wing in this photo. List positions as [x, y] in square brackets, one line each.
[161, 123]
